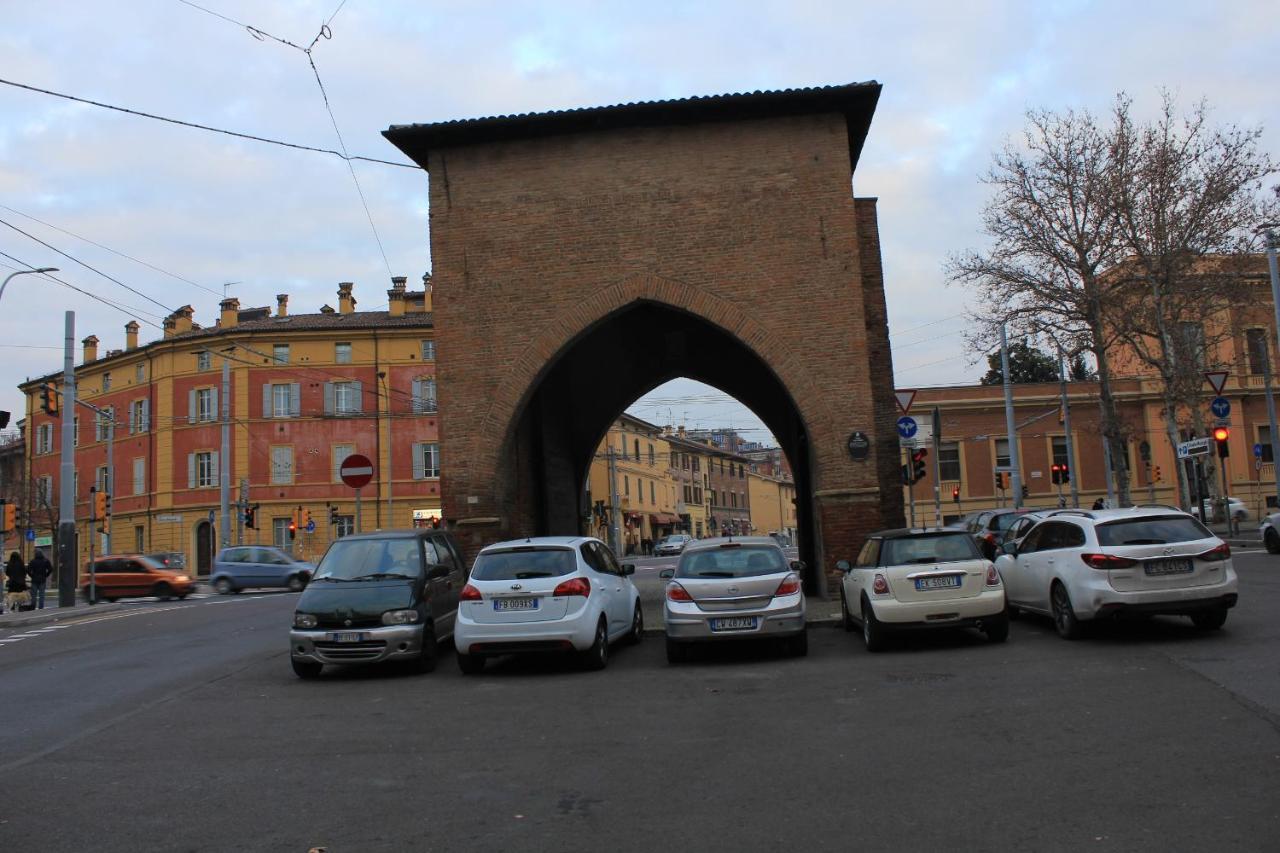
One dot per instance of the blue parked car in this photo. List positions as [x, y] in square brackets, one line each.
[247, 566]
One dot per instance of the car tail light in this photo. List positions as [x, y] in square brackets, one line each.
[469, 593]
[879, 586]
[790, 585]
[993, 577]
[675, 592]
[573, 586]
[1106, 562]
[1214, 555]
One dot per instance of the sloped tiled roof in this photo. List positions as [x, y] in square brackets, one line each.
[856, 101]
[316, 322]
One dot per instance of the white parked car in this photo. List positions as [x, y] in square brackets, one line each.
[1079, 566]
[910, 579]
[1270, 530]
[548, 593]
[1239, 511]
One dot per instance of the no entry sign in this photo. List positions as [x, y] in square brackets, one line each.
[356, 471]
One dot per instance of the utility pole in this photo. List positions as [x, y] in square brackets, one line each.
[1010, 426]
[1066, 426]
[937, 466]
[615, 505]
[67, 559]
[1272, 245]
[224, 458]
[111, 480]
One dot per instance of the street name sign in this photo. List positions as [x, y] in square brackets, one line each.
[1194, 447]
[356, 471]
[905, 399]
[1217, 378]
[169, 518]
[907, 426]
[1221, 407]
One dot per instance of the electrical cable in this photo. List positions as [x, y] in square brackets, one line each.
[129, 311]
[206, 127]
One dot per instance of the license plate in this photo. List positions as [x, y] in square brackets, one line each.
[734, 623]
[515, 604]
[348, 637]
[949, 582]
[1167, 567]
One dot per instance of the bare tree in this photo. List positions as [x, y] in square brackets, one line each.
[1053, 234]
[1186, 198]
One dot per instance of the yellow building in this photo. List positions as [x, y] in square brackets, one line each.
[773, 506]
[305, 392]
[647, 493]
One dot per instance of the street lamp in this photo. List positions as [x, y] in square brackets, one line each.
[23, 272]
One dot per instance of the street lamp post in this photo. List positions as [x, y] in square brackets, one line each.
[5, 283]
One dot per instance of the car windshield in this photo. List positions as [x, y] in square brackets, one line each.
[947, 548]
[673, 540]
[1158, 530]
[522, 563]
[371, 559]
[731, 561]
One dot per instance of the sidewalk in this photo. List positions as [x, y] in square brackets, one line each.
[53, 613]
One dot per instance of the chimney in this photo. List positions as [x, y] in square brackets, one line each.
[326, 309]
[426, 289]
[346, 302]
[395, 296]
[90, 348]
[131, 334]
[230, 312]
[181, 321]
[282, 305]
[681, 431]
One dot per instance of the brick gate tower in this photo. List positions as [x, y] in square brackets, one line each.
[583, 257]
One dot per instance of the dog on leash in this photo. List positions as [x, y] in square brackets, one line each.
[14, 601]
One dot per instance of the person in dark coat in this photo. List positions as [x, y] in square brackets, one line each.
[39, 570]
[15, 586]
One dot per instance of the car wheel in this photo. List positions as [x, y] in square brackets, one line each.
[1210, 620]
[470, 664]
[996, 628]
[873, 633]
[597, 657]
[1272, 541]
[637, 627]
[846, 618]
[306, 669]
[1064, 616]
[676, 652]
[296, 583]
[162, 591]
[799, 644]
[426, 659]
[223, 586]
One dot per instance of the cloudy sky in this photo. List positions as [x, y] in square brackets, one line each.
[198, 210]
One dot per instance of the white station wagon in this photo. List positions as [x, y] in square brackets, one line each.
[912, 579]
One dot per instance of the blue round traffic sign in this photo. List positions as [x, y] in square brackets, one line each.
[311, 526]
[1257, 450]
[906, 426]
[1221, 407]
[31, 534]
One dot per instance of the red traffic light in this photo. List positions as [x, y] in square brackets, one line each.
[1221, 434]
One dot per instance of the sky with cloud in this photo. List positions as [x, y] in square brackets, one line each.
[201, 211]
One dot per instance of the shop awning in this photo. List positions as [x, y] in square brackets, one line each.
[664, 518]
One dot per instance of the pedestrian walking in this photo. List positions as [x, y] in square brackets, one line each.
[15, 586]
[39, 571]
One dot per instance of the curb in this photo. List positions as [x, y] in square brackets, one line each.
[54, 614]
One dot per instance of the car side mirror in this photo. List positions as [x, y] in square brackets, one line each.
[437, 572]
[628, 568]
[667, 574]
[797, 565]
[843, 565]
[1010, 548]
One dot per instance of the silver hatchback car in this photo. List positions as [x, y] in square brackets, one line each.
[732, 589]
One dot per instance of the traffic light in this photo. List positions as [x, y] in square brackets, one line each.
[1025, 491]
[4, 419]
[435, 523]
[49, 399]
[1065, 473]
[1155, 474]
[8, 516]
[1220, 435]
[1055, 474]
[333, 515]
[250, 516]
[955, 494]
[906, 475]
[1000, 481]
[917, 463]
[293, 526]
[305, 520]
[99, 503]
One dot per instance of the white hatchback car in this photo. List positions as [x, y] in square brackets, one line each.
[549, 593]
[1079, 566]
[909, 579]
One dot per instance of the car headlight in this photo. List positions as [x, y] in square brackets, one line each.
[304, 620]
[399, 617]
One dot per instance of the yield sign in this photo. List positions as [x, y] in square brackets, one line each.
[1217, 378]
[905, 399]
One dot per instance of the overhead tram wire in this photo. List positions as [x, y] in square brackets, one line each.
[133, 313]
[205, 127]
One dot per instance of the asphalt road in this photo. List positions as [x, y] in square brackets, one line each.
[180, 727]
